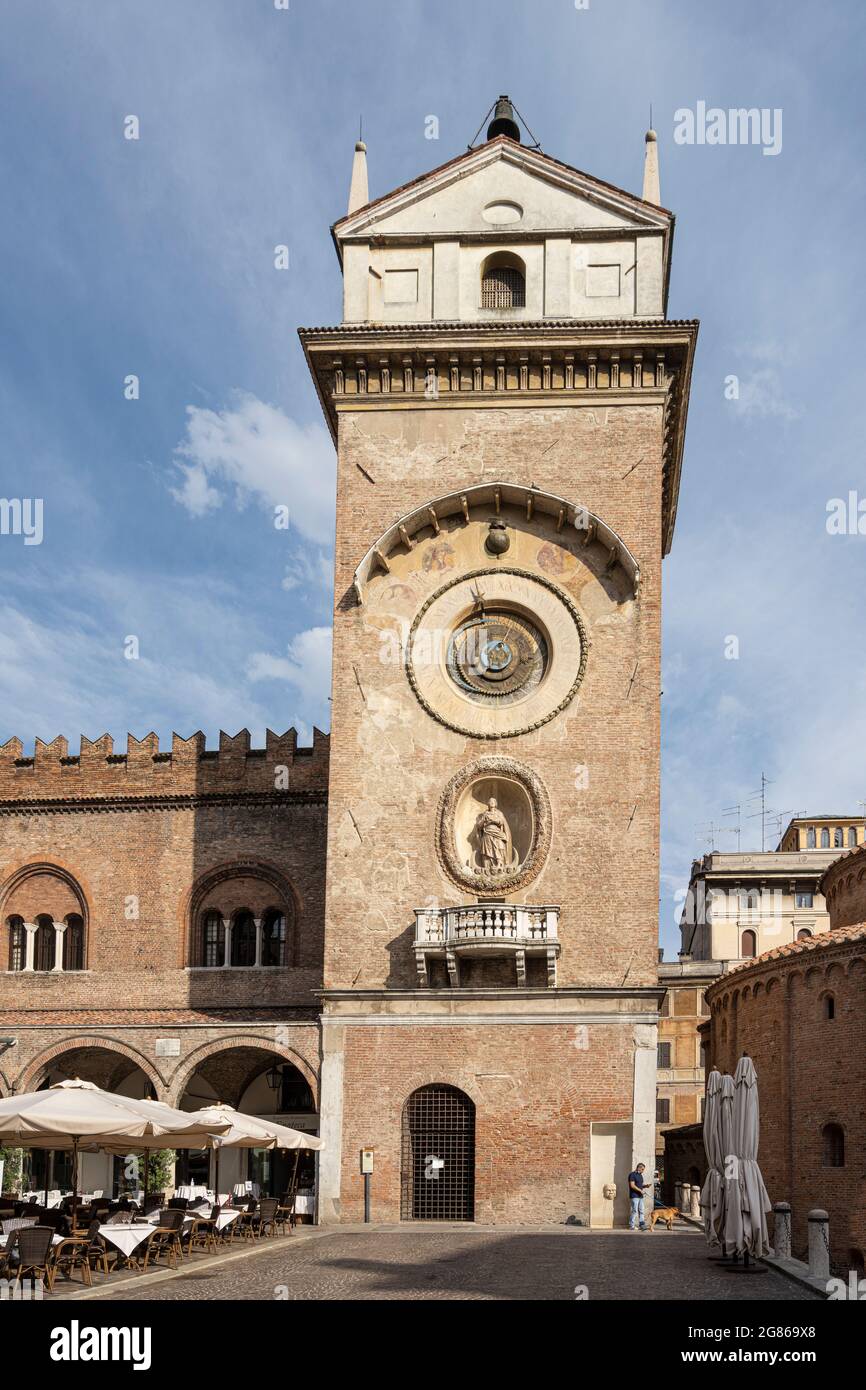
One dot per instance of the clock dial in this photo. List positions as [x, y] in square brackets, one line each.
[497, 655]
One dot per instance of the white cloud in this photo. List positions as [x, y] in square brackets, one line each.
[761, 395]
[307, 666]
[255, 451]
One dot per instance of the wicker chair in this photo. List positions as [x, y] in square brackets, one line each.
[265, 1217]
[165, 1240]
[33, 1247]
[83, 1253]
[204, 1232]
[286, 1212]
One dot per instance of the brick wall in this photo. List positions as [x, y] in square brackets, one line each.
[811, 1073]
[536, 1093]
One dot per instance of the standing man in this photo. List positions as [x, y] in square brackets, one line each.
[636, 1187]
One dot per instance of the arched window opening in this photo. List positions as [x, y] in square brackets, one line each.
[810, 837]
[852, 836]
[438, 1156]
[244, 939]
[73, 943]
[43, 956]
[825, 838]
[17, 943]
[213, 939]
[833, 1146]
[803, 934]
[829, 1006]
[838, 838]
[503, 282]
[748, 945]
[274, 938]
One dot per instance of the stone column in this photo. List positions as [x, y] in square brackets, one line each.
[257, 922]
[782, 1230]
[819, 1244]
[695, 1208]
[331, 1121]
[227, 928]
[644, 1097]
[59, 934]
[30, 945]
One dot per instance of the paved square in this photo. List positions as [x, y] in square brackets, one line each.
[448, 1262]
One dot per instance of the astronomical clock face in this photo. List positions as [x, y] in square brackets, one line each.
[496, 653]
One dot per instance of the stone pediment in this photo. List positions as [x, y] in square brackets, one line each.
[502, 188]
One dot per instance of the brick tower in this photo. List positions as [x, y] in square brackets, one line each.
[508, 402]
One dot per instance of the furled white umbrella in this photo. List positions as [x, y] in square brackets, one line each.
[746, 1200]
[713, 1191]
[248, 1132]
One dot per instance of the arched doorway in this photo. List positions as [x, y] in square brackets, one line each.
[438, 1156]
[50, 1170]
[260, 1082]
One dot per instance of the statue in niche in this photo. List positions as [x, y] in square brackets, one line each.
[493, 838]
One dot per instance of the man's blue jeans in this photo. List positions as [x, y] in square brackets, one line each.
[637, 1213]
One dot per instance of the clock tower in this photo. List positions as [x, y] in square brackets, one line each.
[508, 400]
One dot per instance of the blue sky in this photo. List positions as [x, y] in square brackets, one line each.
[155, 258]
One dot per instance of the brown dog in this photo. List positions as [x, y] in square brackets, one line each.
[666, 1214]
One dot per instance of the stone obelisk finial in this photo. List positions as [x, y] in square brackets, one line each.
[359, 194]
[651, 190]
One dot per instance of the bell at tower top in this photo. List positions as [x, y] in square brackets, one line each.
[503, 122]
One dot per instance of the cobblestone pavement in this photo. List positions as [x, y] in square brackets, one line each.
[469, 1263]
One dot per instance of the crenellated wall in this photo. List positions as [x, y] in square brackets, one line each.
[144, 771]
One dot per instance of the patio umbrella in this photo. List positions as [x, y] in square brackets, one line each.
[76, 1114]
[248, 1132]
[713, 1191]
[746, 1199]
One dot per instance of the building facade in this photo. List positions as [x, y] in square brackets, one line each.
[681, 1051]
[434, 938]
[508, 402]
[161, 925]
[799, 1011]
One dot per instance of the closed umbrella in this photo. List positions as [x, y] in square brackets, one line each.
[240, 1131]
[713, 1191]
[746, 1200]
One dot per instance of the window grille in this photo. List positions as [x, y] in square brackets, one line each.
[503, 287]
[212, 940]
[73, 944]
[274, 938]
[438, 1156]
[44, 945]
[17, 943]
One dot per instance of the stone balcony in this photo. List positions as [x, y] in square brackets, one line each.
[495, 929]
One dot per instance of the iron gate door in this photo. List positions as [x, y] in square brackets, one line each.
[438, 1159]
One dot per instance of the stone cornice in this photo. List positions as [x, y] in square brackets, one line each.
[556, 363]
[79, 805]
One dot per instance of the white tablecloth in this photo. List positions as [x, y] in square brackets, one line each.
[225, 1218]
[305, 1204]
[126, 1237]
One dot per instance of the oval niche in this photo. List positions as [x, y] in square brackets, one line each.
[494, 827]
[502, 213]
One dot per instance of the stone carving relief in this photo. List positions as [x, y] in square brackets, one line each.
[494, 826]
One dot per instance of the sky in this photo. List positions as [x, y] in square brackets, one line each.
[162, 595]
